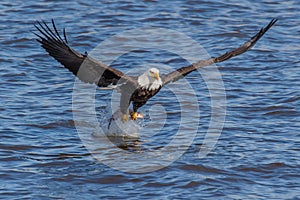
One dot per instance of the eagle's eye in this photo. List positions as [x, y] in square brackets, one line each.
[152, 73]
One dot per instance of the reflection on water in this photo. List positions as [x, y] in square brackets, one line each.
[256, 157]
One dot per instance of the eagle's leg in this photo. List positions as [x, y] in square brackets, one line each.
[124, 117]
[124, 104]
[133, 115]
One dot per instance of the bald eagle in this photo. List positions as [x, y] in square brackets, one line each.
[135, 90]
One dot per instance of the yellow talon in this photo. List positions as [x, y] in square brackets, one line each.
[134, 115]
[124, 117]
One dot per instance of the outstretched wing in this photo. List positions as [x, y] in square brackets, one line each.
[183, 71]
[84, 67]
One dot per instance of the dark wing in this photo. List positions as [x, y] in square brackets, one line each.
[84, 67]
[181, 72]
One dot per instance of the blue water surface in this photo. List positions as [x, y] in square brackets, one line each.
[257, 153]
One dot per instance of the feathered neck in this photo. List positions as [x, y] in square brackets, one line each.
[147, 82]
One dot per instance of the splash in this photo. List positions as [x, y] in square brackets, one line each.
[113, 126]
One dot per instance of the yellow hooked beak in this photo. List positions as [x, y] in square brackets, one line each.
[156, 76]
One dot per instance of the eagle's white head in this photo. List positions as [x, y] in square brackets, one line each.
[150, 79]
